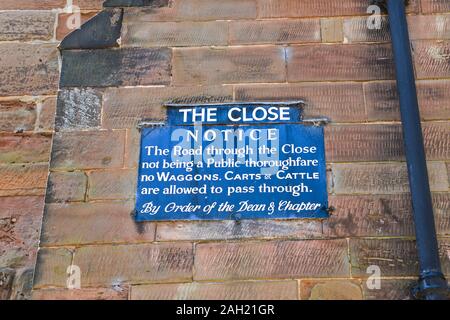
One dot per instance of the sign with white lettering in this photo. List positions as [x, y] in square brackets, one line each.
[239, 161]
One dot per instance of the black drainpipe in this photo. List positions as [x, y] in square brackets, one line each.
[432, 284]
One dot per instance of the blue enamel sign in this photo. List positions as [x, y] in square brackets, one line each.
[240, 161]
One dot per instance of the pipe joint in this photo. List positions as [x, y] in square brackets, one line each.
[431, 286]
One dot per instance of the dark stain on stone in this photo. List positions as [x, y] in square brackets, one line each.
[115, 67]
[6, 281]
[102, 31]
[106, 160]
[136, 3]
[140, 226]
[7, 230]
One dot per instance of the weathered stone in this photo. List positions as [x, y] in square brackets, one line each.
[67, 25]
[17, 116]
[132, 148]
[24, 148]
[211, 230]
[331, 30]
[19, 230]
[6, 282]
[102, 31]
[274, 32]
[292, 8]
[140, 263]
[295, 8]
[381, 215]
[431, 59]
[272, 259]
[30, 69]
[174, 34]
[23, 284]
[228, 65]
[88, 149]
[341, 102]
[23, 179]
[51, 267]
[432, 6]
[66, 186]
[381, 178]
[391, 289]
[383, 104]
[121, 67]
[420, 28]
[251, 290]
[89, 4]
[363, 142]
[89, 223]
[395, 257]
[125, 107]
[78, 109]
[436, 137]
[80, 294]
[26, 25]
[340, 62]
[448, 171]
[356, 30]
[31, 4]
[112, 184]
[330, 290]
[357, 215]
[46, 114]
[383, 142]
[136, 3]
[444, 255]
[193, 10]
[441, 206]
[425, 27]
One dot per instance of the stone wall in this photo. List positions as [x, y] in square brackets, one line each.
[190, 51]
[30, 31]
